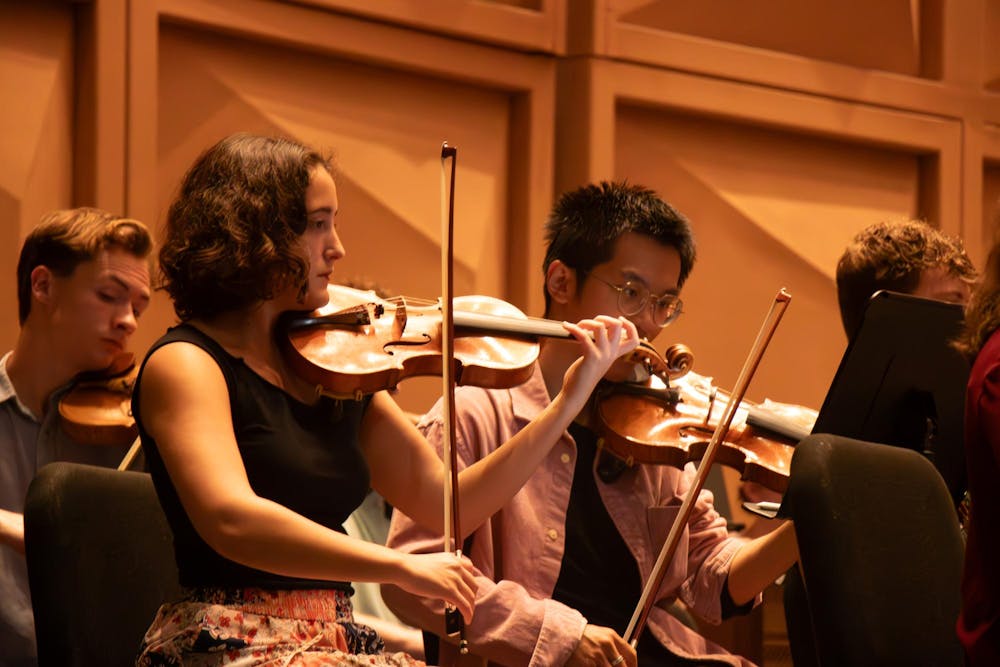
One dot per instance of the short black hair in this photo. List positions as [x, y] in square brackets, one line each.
[586, 223]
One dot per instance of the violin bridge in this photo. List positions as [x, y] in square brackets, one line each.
[711, 404]
[399, 322]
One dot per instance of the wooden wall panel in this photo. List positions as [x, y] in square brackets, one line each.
[384, 129]
[982, 189]
[99, 105]
[788, 123]
[991, 202]
[777, 212]
[790, 176]
[883, 36]
[991, 194]
[991, 50]
[380, 100]
[779, 126]
[922, 55]
[534, 25]
[36, 176]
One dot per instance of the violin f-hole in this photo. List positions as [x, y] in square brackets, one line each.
[421, 339]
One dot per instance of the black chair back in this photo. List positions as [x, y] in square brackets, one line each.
[880, 554]
[100, 562]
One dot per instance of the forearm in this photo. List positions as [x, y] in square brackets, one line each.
[264, 535]
[761, 561]
[12, 530]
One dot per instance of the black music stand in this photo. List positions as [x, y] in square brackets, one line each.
[901, 383]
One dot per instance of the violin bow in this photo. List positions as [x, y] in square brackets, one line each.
[130, 455]
[453, 622]
[641, 614]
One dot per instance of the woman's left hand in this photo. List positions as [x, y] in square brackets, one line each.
[604, 340]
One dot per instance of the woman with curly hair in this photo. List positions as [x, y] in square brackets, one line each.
[254, 472]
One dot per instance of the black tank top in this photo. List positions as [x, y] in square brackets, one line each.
[305, 457]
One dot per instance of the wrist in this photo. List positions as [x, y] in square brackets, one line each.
[396, 567]
[568, 405]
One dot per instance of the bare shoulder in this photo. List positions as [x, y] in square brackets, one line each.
[180, 369]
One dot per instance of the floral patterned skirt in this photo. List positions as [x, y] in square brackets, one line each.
[252, 626]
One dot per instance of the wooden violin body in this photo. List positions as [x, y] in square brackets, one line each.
[97, 410]
[359, 343]
[673, 426]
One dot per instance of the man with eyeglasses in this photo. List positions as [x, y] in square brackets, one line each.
[562, 565]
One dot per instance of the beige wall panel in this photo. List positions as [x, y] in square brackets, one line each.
[991, 193]
[384, 128]
[991, 203]
[982, 186]
[881, 35]
[775, 211]
[991, 46]
[36, 84]
[784, 176]
[891, 53]
[101, 69]
[991, 103]
[534, 25]
[590, 90]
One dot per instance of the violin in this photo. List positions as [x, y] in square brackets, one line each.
[672, 424]
[97, 410]
[359, 343]
[674, 427]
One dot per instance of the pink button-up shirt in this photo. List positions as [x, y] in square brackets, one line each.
[518, 552]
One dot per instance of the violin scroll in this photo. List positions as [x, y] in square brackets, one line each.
[679, 360]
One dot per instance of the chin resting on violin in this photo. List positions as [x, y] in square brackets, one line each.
[255, 468]
[82, 282]
[560, 568]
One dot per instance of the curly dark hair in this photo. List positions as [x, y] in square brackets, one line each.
[891, 256]
[65, 239]
[233, 231]
[982, 315]
[586, 223]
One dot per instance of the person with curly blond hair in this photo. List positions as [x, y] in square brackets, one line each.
[909, 256]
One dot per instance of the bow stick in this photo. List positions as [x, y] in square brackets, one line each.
[454, 624]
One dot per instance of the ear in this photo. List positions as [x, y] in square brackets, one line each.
[560, 282]
[42, 284]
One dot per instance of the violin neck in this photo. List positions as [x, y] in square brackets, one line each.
[770, 420]
[532, 327]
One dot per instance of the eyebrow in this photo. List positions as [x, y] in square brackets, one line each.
[635, 277]
[143, 293]
[322, 209]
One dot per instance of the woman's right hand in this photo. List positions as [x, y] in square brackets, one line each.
[440, 576]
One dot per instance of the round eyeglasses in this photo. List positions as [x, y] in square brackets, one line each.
[634, 296]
